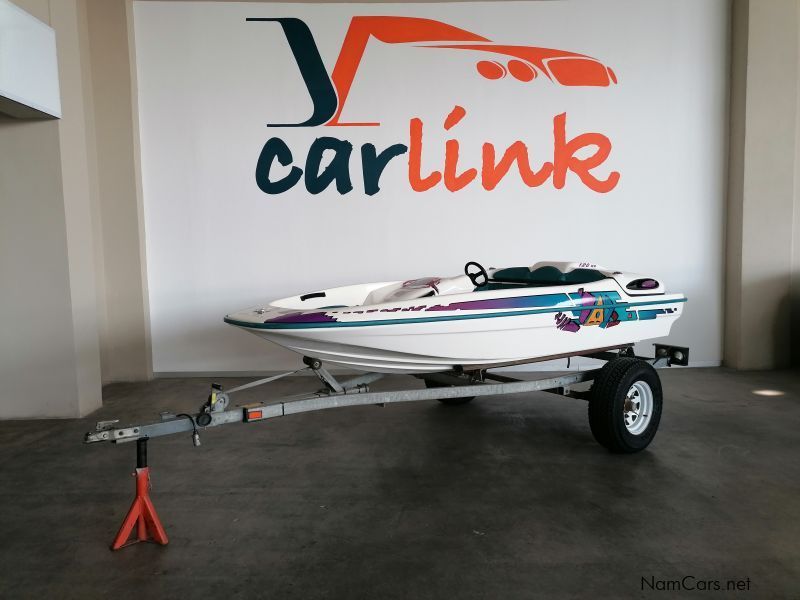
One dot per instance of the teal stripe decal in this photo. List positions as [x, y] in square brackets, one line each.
[443, 318]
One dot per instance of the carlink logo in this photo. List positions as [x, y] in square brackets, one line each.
[329, 93]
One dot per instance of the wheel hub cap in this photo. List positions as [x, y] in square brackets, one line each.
[638, 407]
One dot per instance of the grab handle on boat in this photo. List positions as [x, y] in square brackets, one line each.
[305, 297]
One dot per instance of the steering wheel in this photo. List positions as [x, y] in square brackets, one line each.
[475, 275]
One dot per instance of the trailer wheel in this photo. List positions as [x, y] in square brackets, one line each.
[625, 405]
[448, 401]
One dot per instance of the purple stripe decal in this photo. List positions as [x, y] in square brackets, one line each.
[299, 317]
[541, 301]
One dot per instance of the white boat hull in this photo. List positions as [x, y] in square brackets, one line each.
[401, 349]
[483, 329]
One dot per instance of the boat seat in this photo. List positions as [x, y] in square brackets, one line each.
[544, 276]
[420, 288]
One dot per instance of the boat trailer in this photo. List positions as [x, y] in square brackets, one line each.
[625, 395]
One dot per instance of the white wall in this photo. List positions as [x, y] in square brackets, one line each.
[49, 358]
[28, 65]
[37, 360]
[122, 298]
[763, 213]
[209, 82]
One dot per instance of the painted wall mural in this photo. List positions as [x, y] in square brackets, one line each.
[287, 147]
[329, 93]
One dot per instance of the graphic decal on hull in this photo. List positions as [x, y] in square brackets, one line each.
[602, 309]
[541, 301]
[301, 317]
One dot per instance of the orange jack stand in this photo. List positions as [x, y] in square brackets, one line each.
[142, 513]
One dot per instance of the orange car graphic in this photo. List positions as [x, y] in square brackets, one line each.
[524, 63]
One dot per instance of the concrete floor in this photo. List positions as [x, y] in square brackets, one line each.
[502, 498]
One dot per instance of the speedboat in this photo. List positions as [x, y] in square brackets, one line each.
[482, 319]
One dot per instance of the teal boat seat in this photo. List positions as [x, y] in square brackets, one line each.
[544, 276]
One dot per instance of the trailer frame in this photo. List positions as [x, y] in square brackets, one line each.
[355, 392]
[456, 386]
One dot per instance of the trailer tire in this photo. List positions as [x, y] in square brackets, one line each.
[448, 401]
[625, 405]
